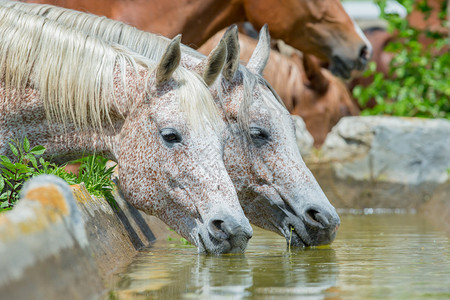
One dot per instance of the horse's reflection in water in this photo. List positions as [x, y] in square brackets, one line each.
[265, 270]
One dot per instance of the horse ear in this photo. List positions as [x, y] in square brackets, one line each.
[169, 62]
[211, 66]
[317, 81]
[260, 56]
[231, 39]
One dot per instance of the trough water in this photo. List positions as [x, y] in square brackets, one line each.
[384, 256]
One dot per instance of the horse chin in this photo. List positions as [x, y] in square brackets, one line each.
[340, 68]
[294, 240]
[294, 232]
[207, 244]
[298, 231]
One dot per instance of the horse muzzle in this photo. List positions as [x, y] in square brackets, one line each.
[342, 65]
[224, 234]
[314, 226]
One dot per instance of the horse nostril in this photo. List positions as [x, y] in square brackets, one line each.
[216, 228]
[364, 53]
[315, 217]
[227, 228]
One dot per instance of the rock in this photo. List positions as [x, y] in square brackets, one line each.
[305, 140]
[385, 163]
[389, 149]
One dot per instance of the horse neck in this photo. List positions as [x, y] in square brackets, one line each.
[216, 14]
[23, 115]
[105, 140]
[280, 18]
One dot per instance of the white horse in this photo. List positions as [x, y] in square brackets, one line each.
[74, 94]
[275, 188]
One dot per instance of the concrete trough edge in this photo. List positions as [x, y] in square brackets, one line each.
[61, 242]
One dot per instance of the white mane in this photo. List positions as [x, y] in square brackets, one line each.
[74, 72]
[147, 44]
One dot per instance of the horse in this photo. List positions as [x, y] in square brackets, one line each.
[321, 28]
[307, 90]
[275, 188]
[324, 101]
[74, 93]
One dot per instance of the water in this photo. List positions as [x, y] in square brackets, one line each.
[373, 257]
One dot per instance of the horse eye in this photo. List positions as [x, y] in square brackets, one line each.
[170, 135]
[259, 136]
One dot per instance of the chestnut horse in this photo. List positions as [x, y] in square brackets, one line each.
[275, 188]
[74, 93]
[307, 90]
[321, 28]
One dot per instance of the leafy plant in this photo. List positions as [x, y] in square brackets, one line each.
[97, 178]
[27, 164]
[14, 173]
[418, 83]
[181, 240]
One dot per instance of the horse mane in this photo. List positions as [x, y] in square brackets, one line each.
[146, 44]
[74, 72]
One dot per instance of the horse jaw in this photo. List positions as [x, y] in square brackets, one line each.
[275, 188]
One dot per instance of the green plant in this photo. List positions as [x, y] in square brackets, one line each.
[15, 172]
[26, 164]
[290, 239]
[97, 178]
[181, 240]
[418, 83]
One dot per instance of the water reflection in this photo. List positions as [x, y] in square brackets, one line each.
[266, 269]
[373, 257]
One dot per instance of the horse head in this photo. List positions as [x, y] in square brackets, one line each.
[319, 27]
[275, 188]
[171, 167]
[177, 173]
[157, 120]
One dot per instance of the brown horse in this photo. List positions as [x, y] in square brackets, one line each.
[322, 28]
[307, 90]
[324, 101]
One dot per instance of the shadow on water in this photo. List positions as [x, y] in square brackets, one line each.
[384, 256]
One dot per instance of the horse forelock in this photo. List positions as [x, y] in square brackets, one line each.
[250, 84]
[197, 103]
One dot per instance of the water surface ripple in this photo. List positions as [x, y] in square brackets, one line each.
[373, 257]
